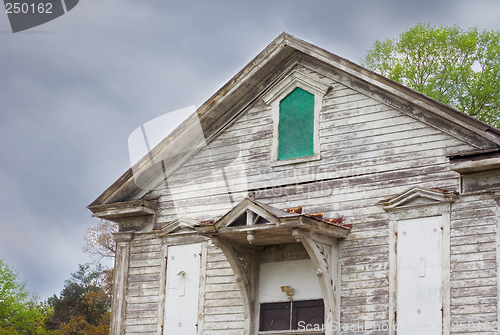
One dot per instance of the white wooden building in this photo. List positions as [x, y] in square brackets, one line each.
[310, 195]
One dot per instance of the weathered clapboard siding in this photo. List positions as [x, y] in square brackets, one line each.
[143, 289]
[375, 148]
[417, 159]
[369, 151]
[365, 274]
[378, 143]
[223, 304]
[473, 260]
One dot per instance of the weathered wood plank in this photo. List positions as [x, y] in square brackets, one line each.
[473, 248]
[140, 329]
[144, 270]
[222, 287]
[475, 318]
[476, 256]
[142, 307]
[136, 314]
[225, 317]
[365, 276]
[365, 284]
[473, 221]
[220, 280]
[362, 317]
[361, 309]
[220, 272]
[223, 302]
[365, 268]
[489, 273]
[349, 252]
[474, 291]
[473, 266]
[477, 282]
[473, 230]
[360, 301]
[223, 295]
[473, 300]
[480, 212]
[369, 259]
[366, 292]
[224, 325]
[224, 310]
[151, 262]
[474, 309]
[142, 292]
[484, 238]
[140, 321]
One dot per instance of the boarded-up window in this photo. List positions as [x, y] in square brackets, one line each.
[296, 125]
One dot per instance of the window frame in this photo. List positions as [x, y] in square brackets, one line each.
[296, 79]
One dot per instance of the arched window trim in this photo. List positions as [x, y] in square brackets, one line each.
[296, 79]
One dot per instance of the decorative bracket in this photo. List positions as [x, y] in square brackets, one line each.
[322, 252]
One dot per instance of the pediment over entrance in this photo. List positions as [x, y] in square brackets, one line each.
[255, 223]
[244, 232]
[181, 225]
[419, 196]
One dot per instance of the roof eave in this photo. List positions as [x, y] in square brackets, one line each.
[281, 48]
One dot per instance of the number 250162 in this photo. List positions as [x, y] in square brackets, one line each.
[16, 8]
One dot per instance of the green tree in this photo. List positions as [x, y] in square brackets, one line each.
[20, 312]
[84, 300]
[459, 68]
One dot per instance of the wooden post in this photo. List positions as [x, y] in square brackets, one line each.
[122, 258]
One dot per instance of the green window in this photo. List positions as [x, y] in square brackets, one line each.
[296, 125]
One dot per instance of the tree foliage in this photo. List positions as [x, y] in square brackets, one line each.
[459, 68]
[20, 312]
[84, 303]
[99, 240]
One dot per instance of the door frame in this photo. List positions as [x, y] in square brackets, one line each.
[442, 209]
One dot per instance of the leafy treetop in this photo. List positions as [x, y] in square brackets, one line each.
[20, 312]
[459, 68]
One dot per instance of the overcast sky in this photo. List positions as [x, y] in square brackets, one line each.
[74, 89]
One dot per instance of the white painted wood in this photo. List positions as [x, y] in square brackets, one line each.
[182, 287]
[299, 274]
[370, 152]
[419, 293]
[202, 287]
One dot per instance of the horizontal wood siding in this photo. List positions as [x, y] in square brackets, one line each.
[223, 303]
[365, 274]
[473, 263]
[143, 285]
[370, 152]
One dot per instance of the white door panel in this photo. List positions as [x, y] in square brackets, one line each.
[419, 276]
[181, 297]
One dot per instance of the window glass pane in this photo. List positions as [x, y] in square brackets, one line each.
[311, 312]
[296, 125]
[275, 316]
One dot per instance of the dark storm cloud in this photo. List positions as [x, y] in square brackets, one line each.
[72, 91]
